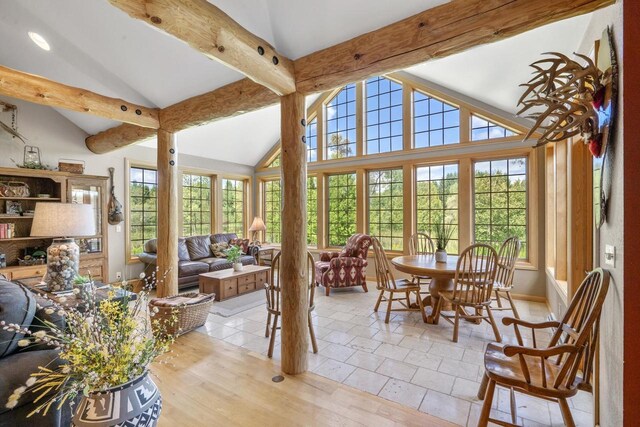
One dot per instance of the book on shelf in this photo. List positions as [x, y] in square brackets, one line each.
[7, 231]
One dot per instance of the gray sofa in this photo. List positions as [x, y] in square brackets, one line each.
[18, 305]
[195, 257]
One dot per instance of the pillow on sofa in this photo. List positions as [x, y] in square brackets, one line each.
[242, 243]
[17, 305]
[218, 249]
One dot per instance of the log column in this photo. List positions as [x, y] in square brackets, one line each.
[167, 214]
[293, 267]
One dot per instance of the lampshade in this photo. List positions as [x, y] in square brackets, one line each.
[257, 224]
[63, 220]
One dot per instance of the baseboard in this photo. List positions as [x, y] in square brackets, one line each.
[532, 298]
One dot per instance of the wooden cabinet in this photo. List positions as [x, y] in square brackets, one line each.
[51, 187]
[228, 283]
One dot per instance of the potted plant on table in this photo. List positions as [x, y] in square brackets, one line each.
[234, 256]
[105, 351]
[442, 233]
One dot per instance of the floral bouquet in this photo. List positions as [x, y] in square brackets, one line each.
[105, 344]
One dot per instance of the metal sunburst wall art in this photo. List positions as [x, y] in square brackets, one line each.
[576, 98]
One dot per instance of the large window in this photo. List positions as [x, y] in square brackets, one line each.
[196, 205]
[384, 115]
[342, 208]
[386, 208]
[484, 129]
[341, 124]
[434, 122]
[272, 210]
[500, 201]
[143, 199]
[312, 210]
[437, 201]
[312, 141]
[233, 206]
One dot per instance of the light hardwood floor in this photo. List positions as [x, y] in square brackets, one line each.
[206, 382]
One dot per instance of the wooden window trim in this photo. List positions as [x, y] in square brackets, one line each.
[129, 257]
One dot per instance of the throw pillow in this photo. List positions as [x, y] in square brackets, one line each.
[242, 243]
[217, 249]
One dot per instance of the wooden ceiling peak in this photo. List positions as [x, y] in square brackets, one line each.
[39, 90]
[212, 32]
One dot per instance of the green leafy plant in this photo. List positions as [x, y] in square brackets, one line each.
[81, 280]
[442, 234]
[234, 253]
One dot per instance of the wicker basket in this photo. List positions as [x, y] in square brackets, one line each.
[189, 316]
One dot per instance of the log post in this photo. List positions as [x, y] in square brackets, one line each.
[167, 214]
[293, 268]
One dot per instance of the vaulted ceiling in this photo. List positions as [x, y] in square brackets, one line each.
[98, 47]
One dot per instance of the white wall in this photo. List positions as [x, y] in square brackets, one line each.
[612, 233]
[58, 138]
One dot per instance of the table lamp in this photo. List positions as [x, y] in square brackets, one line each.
[257, 225]
[60, 221]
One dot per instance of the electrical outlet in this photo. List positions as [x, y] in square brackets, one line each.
[119, 275]
[118, 229]
[610, 255]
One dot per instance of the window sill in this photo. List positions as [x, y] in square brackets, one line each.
[526, 265]
[561, 286]
[134, 261]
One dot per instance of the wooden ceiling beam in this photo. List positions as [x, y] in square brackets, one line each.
[212, 32]
[39, 90]
[233, 99]
[435, 33]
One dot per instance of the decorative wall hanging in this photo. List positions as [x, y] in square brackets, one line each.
[568, 98]
[115, 215]
[13, 129]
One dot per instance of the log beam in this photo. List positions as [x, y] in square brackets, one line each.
[212, 32]
[294, 271]
[167, 214]
[435, 33]
[233, 99]
[39, 90]
[118, 137]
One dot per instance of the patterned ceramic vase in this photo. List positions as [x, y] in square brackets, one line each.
[135, 404]
[441, 255]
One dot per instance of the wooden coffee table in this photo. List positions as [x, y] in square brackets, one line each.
[228, 283]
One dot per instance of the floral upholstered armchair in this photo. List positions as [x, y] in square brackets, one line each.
[345, 268]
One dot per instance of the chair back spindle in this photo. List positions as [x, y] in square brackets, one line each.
[421, 244]
[475, 274]
[274, 289]
[384, 276]
[507, 257]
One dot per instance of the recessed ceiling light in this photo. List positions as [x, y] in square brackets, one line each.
[39, 41]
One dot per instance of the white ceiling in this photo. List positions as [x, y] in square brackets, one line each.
[98, 47]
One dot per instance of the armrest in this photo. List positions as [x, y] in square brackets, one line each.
[148, 258]
[328, 256]
[541, 325]
[512, 350]
[347, 261]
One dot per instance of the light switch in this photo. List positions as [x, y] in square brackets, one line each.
[610, 255]
[118, 229]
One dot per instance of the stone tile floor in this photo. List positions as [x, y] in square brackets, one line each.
[406, 361]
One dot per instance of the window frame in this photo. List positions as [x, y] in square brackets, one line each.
[212, 181]
[246, 206]
[327, 206]
[367, 203]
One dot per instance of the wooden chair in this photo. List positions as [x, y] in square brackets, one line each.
[387, 284]
[551, 373]
[274, 300]
[507, 257]
[475, 273]
[421, 244]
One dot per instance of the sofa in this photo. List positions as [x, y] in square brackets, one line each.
[196, 257]
[345, 268]
[19, 305]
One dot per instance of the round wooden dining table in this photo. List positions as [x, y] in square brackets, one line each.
[441, 273]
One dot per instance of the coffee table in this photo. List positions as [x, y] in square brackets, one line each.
[229, 283]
